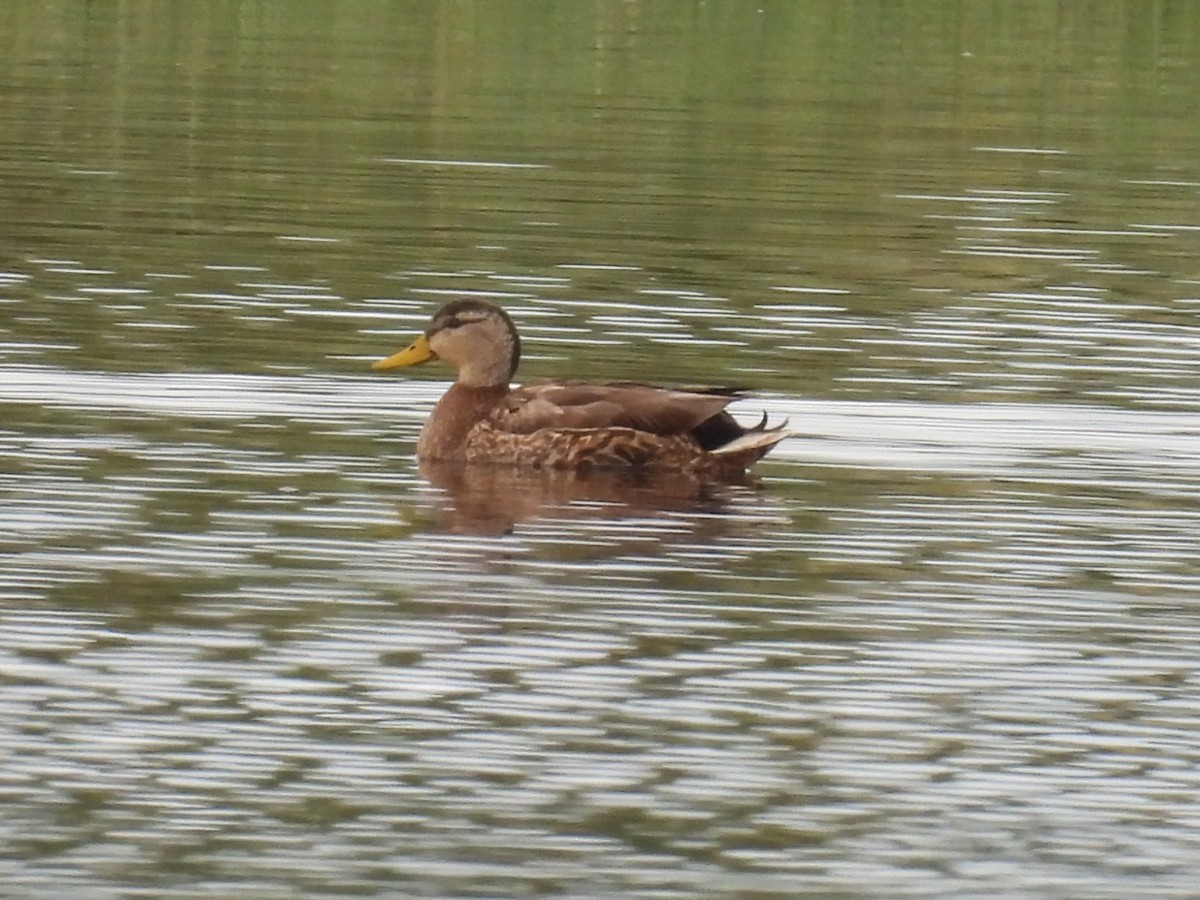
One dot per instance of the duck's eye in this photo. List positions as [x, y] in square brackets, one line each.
[457, 321]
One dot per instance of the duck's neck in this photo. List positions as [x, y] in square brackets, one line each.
[460, 409]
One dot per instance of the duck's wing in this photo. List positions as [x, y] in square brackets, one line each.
[642, 407]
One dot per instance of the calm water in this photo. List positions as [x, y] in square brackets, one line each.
[945, 644]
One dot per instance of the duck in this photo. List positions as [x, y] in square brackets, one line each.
[568, 424]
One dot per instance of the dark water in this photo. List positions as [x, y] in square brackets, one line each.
[945, 644]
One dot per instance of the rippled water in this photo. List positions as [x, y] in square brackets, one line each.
[942, 644]
[247, 646]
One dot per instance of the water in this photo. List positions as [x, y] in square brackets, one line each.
[943, 644]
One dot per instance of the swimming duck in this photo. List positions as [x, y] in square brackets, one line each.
[567, 424]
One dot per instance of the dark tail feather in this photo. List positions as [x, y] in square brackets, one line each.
[751, 446]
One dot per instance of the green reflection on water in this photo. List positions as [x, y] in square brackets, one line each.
[718, 148]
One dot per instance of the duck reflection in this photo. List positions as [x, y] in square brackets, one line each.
[488, 499]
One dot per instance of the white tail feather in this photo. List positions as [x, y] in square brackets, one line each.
[753, 440]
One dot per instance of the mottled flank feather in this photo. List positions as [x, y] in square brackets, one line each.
[569, 424]
[577, 448]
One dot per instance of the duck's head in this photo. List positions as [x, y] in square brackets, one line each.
[477, 338]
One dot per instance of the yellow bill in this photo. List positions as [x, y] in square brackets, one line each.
[415, 353]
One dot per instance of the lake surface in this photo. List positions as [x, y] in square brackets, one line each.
[944, 644]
